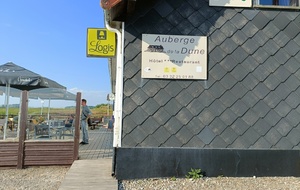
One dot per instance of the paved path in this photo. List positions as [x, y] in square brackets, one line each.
[90, 175]
[93, 170]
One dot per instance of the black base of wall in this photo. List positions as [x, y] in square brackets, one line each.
[137, 163]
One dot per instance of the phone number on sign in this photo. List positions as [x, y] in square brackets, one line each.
[178, 76]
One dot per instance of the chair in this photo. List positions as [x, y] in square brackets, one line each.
[44, 130]
[41, 131]
[68, 127]
[30, 129]
[2, 123]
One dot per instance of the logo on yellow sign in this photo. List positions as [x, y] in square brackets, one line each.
[100, 42]
[172, 69]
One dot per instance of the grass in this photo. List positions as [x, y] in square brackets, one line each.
[97, 111]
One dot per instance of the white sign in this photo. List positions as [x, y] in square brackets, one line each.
[231, 3]
[174, 57]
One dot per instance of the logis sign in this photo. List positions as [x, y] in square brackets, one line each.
[174, 57]
[100, 42]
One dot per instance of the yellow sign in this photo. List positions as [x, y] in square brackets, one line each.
[100, 42]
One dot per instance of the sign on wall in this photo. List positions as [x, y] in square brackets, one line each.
[231, 3]
[100, 42]
[174, 57]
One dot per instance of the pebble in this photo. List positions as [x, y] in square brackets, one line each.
[32, 178]
[215, 183]
[50, 178]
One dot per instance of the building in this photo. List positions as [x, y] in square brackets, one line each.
[242, 119]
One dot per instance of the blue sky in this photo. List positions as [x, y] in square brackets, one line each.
[49, 38]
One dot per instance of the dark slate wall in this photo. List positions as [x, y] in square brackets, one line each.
[252, 95]
[135, 163]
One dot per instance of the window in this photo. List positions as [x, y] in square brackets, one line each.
[294, 3]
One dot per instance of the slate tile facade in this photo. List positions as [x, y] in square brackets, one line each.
[251, 98]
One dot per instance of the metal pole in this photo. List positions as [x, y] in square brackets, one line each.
[48, 117]
[7, 92]
[107, 109]
[42, 102]
[19, 114]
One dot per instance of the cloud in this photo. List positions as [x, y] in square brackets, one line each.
[93, 98]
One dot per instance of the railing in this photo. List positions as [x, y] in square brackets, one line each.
[21, 152]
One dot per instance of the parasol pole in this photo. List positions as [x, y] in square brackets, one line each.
[49, 110]
[19, 115]
[7, 91]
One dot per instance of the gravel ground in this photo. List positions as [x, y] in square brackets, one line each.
[33, 178]
[50, 178]
[219, 183]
